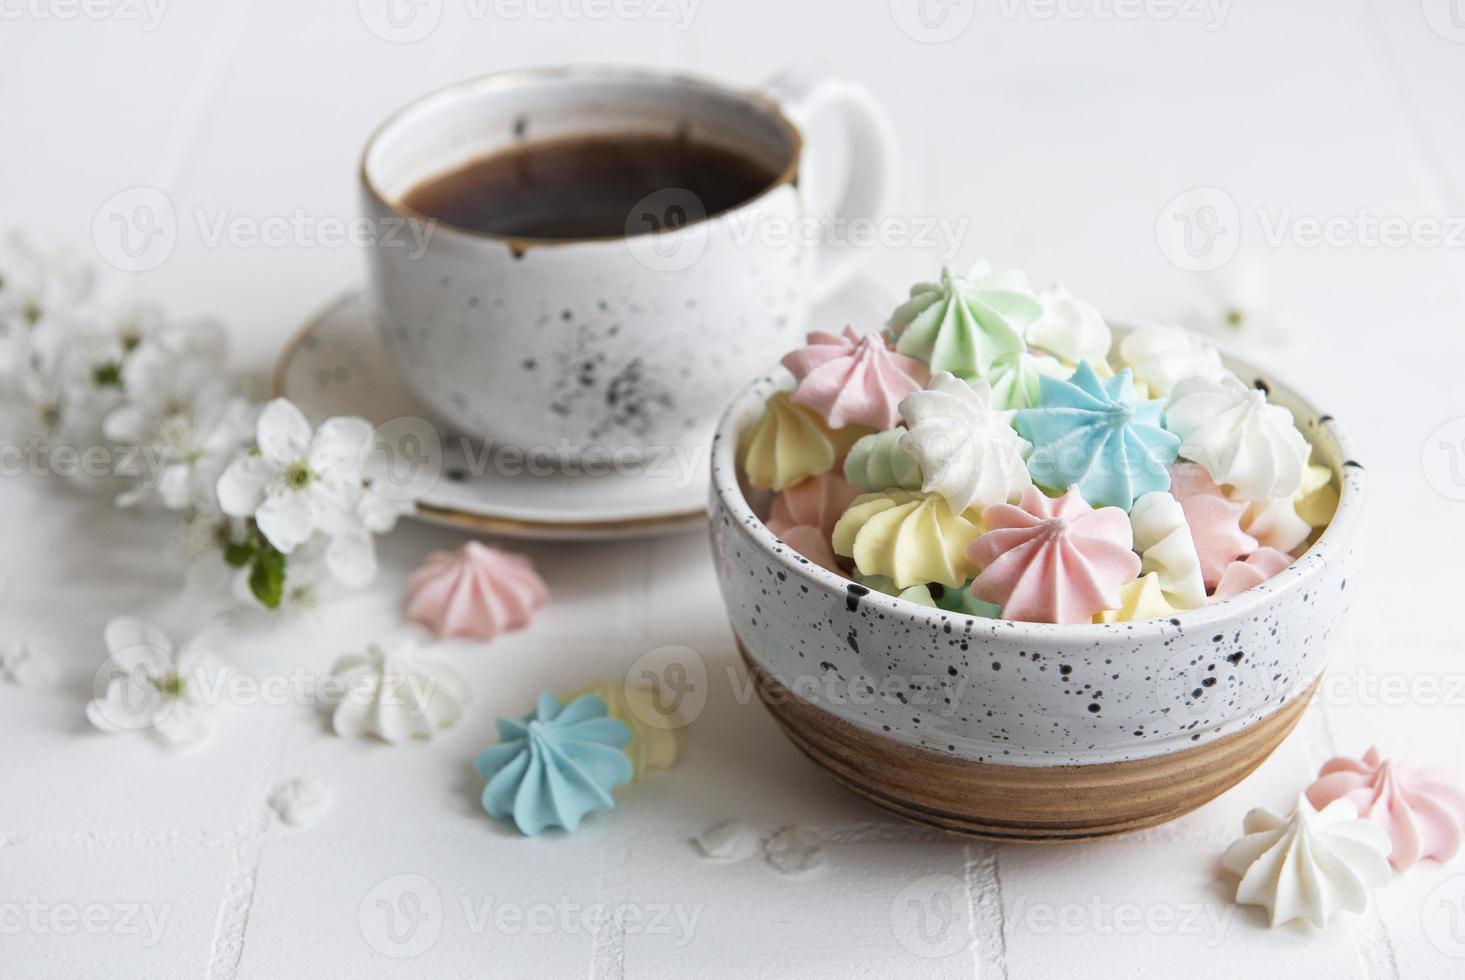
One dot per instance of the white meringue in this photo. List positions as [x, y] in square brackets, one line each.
[1274, 523]
[394, 694]
[1309, 865]
[1070, 328]
[968, 452]
[1240, 438]
[730, 841]
[1161, 357]
[1165, 545]
[794, 851]
[301, 802]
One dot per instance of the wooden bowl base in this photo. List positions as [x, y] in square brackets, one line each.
[1023, 803]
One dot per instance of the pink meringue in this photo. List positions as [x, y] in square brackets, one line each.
[813, 544]
[475, 592]
[804, 515]
[1214, 519]
[1422, 810]
[1259, 566]
[854, 380]
[1053, 561]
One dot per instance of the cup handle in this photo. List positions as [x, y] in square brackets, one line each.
[870, 158]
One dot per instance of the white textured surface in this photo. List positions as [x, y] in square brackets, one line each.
[1062, 140]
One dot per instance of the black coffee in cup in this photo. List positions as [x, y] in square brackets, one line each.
[589, 187]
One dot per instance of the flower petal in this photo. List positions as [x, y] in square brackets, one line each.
[241, 488]
[283, 432]
[285, 520]
[340, 447]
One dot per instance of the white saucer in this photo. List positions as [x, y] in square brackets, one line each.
[336, 365]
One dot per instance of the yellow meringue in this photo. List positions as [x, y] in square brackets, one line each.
[1141, 599]
[790, 442]
[910, 538]
[656, 732]
[1316, 499]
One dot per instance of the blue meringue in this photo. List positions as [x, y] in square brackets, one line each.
[555, 765]
[1099, 435]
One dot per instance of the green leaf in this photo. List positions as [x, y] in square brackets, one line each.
[238, 553]
[267, 577]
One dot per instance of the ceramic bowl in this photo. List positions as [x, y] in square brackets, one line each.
[1030, 731]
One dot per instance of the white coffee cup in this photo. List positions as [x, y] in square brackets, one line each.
[625, 344]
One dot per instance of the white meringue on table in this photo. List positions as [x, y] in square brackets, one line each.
[1166, 547]
[968, 451]
[1240, 438]
[394, 694]
[1161, 357]
[1310, 865]
[730, 841]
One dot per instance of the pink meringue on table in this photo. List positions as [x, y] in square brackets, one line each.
[475, 592]
[804, 515]
[1053, 561]
[1214, 519]
[854, 380]
[1422, 810]
[1259, 566]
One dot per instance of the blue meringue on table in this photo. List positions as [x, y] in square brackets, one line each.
[555, 765]
[1099, 435]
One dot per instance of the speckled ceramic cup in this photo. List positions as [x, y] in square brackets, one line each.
[1031, 731]
[623, 344]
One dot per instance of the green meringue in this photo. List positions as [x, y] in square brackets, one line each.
[919, 594]
[877, 462]
[965, 325]
[1015, 380]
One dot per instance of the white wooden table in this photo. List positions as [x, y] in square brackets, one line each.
[1062, 138]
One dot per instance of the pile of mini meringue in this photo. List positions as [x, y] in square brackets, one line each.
[985, 455]
[1357, 819]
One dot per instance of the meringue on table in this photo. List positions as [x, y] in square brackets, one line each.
[1310, 865]
[476, 592]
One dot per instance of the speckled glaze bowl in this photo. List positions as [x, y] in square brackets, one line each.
[1030, 731]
